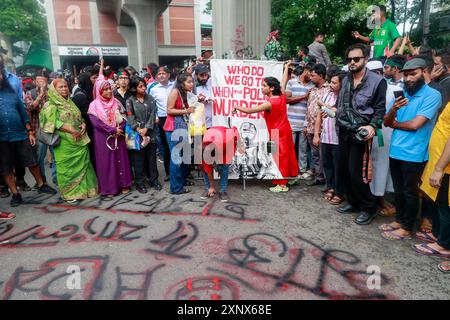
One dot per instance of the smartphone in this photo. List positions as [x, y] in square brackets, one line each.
[399, 94]
[445, 68]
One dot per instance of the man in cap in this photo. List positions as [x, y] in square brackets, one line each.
[392, 69]
[203, 90]
[412, 117]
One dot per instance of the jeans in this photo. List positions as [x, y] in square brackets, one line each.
[350, 176]
[441, 224]
[41, 150]
[179, 172]
[406, 177]
[144, 163]
[301, 148]
[166, 150]
[223, 170]
[330, 156]
[315, 152]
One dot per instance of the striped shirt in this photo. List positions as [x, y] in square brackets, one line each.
[329, 133]
[297, 112]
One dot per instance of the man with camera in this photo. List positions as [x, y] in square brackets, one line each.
[361, 108]
[412, 115]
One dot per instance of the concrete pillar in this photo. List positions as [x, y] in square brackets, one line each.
[129, 34]
[239, 25]
[52, 34]
[144, 15]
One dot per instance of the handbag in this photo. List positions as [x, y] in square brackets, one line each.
[132, 138]
[350, 119]
[50, 139]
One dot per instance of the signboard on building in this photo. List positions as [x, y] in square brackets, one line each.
[92, 51]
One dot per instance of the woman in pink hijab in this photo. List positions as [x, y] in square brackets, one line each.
[112, 162]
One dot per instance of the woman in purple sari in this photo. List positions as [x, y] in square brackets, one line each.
[112, 162]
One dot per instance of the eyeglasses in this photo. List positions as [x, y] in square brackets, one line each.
[356, 59]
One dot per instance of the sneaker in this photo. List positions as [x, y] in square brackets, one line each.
[46, 189]
[16, 200]
[223, 196]
[157, 186]
[4, 192]
[22, 185]
[206, 195]
[141, 190]
[279, 189]
[306, 176]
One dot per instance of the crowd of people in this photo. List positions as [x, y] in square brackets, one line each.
[379, 125]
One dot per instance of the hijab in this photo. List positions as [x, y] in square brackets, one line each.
[105, 110]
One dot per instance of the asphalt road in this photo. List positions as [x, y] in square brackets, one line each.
[157, 246]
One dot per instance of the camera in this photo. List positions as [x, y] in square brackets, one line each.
[361, 135]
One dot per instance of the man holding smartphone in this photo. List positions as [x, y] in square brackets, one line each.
[412, 116]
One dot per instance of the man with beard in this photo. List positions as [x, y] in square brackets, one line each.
[412, 117]
[203, 90]
[361, 108]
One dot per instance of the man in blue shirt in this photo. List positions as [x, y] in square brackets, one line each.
[413, 118]
[16, 140]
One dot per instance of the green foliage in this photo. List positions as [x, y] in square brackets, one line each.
[22, 20]
[208, 9]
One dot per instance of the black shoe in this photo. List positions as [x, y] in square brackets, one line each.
[184, 191]
[142, 190]
[315, 183]
[4, 192]
[365, 218]
[223, 196]
[347, 209]
[189, 183]
[16, 200]
[157, 186]
[46, 189]
[22, 185]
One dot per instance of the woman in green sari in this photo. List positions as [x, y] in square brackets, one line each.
[74, 171]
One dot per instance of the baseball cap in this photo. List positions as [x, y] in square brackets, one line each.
[201, 68]
[414, 64]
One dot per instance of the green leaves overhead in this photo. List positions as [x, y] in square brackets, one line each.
[22, 20]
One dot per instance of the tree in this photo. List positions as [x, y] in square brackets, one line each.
[22, 20]
[298, 20]
[208, 9]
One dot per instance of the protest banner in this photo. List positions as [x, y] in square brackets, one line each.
[239, 82]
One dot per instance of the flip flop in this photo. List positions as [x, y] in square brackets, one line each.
[425, 236]
[441, 267]
[388, 212]
[7, 215]
[391, 236]
[433, 253]
[387, 227]
[337, 200]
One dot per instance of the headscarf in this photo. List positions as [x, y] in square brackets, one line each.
[85, 84]
[105, 110]
[57, 104]
[272, 35]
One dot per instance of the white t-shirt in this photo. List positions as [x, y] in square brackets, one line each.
[161, 94]
[207, 92]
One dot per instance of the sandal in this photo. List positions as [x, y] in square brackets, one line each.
[442, 269]
[426, 226]
[432, 253]
[425, 236]
[387, 227]
[126, 191]
[329, 195]
[337, 200]
[391, 236]
[388, 212]
[7, 216]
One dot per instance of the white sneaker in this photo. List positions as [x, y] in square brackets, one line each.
[306, 176]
